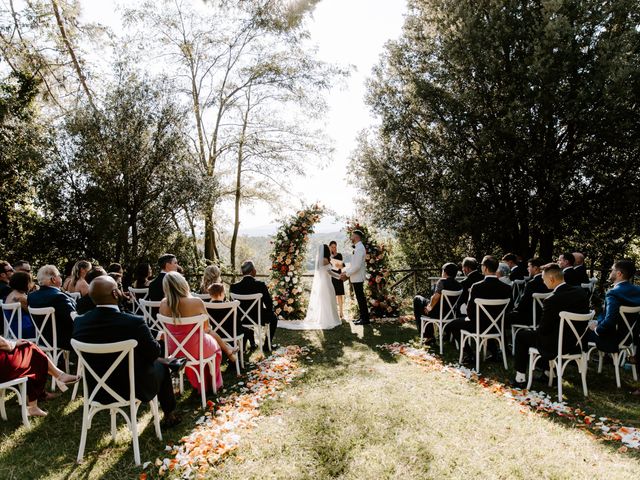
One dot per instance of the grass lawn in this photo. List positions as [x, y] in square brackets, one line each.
[358, 412]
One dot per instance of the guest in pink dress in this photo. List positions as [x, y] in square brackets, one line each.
[179, 304]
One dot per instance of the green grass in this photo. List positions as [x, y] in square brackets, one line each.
[358, 412]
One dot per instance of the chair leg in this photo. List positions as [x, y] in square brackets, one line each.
[77, 384]
[113, 425]
[269, 337]
[3, 411]
[600, 361]
[23, 404]
[551, 372]
[462, 342]
[134, 433]
[478, 347]
[181, 379]
[533, 359]
[242, 353]
[514, 332]
[83, 432]
[504, 354]
[583, 374]
[559, 369]
[156, 417]
[422, 328]
[441, 338]
[616, 366]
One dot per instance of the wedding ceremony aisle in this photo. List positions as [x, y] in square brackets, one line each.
[340, 407]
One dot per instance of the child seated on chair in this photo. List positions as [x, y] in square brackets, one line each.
[217, 293]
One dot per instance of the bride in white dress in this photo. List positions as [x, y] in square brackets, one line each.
[322, 313]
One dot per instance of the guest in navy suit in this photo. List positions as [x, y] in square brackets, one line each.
[610, 329]
[167, 263]
[523, 312]
[517, 271]
[566, 262]
[579, 268]
[50, 295]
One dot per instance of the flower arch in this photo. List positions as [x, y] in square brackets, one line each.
[381, 303]
[287, 262]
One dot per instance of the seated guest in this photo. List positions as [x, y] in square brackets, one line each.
[21, 284]
[167, 263]
[179, 304]
[248, 286]
[211, 275]
[76, 283]
[523, 312]
[22, 266]
[115, 268]
[579, 268]
[21, 359]
[6, 270]
[84, 304]
[431, 307]
[217, 294]
[50, 295]
[610, 329]
[516, 271]
[566, 262]
[503, 274]
[489, 289]
[565, 297]
[106, 324]
[142, 276]
[473, 275]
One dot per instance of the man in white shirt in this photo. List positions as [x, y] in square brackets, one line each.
[356, 273]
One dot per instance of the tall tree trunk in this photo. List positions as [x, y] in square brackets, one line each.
[209, 234]
[192, 227]
[546, 246]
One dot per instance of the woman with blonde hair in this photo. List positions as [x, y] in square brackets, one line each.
[76, 282]
[211, 275]
[179, 304]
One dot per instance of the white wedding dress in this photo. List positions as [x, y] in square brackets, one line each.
[322, 313]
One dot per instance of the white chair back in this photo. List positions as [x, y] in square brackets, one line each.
[44, 319]
[496, 322]
[147, 306]
[450, 299]
[11, 312]
[570, 324]
[221, 327]
[517, 290]
[75, 295]
[138, 294]
[203, 296]
[538, 304]
[179, 347]
[629, 316]
[254, 301]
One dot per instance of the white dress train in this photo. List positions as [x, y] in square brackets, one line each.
[322, 313]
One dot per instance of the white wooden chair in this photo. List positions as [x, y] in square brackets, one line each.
[19, 387]
[48, 346]
[494, 331]
[147, 306]
[448, 298]
[229, 335]
[568, 323]
[538, 299]
[626, 347]
[203, 296]
[11, 312]
[75, 295]
[517, 290]
[196, 363]
[138, 294]
[254, 301]
[124, 352]
[590, 287]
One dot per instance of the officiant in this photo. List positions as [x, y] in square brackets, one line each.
[338, 264]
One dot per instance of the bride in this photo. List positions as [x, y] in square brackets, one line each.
[322, 313]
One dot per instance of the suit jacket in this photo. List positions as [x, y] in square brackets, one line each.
[105, 325]
[5, 290]
[517, 273]
[156, 293]
[84, 304]
[571, 277]
[356, 270]
[525, 306]
[63, 305]
[567, 298]
[473, 277]
[611, 329]
[491, 288]
[581, 274]
[249, 286]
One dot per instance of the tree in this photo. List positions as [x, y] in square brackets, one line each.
[506, 125]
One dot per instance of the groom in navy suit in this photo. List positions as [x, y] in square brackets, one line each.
[610, 330]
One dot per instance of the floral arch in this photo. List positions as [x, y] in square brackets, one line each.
[287, 267]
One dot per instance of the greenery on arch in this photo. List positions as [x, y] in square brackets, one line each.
[287, 262]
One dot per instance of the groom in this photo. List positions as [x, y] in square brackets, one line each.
[356, 275]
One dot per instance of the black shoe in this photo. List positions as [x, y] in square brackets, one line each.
[170, 420]
[177, 365]
[515, 384]
[362, 322]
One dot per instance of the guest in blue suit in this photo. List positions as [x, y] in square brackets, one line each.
[610, 330]
[50, 295]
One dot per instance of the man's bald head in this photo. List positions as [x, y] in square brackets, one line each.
[579, 258]
[104, 291]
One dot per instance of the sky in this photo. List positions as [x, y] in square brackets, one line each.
[346, 32]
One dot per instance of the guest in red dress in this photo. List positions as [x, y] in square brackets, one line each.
[25, 359]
